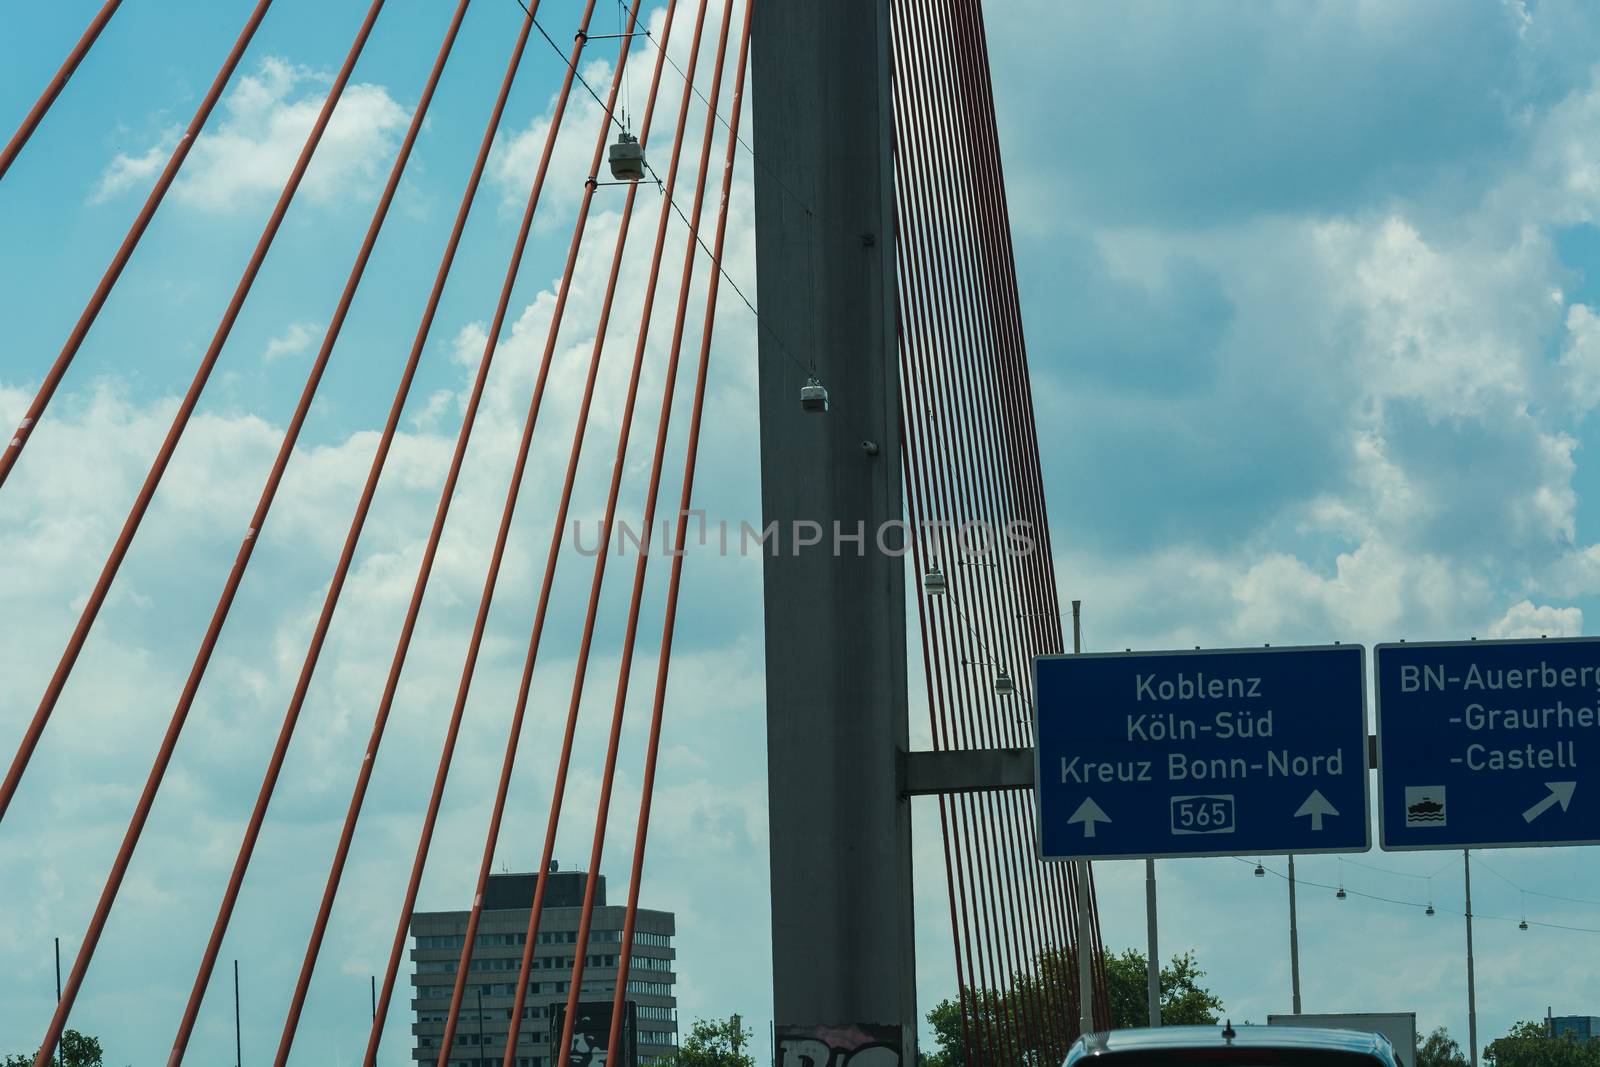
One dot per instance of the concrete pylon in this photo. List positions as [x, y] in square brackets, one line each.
[842, 942]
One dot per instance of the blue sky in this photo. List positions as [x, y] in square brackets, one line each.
[1308, 290]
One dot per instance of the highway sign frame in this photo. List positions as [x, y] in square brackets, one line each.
[1361, 755]
[1385, 763]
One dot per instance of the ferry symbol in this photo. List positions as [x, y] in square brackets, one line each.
[1426, 810]
[1425, 805]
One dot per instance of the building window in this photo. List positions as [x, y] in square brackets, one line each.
[654, 989]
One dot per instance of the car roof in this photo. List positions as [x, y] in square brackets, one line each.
[1304, 1038]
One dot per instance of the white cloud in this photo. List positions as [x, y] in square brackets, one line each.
[294, 341]
[1581, 359]
[1526, 619]
[1427, 332]
[127, 172]
[244, 156]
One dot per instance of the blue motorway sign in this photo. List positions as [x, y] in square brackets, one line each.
[1203, 753]
[1486, 744]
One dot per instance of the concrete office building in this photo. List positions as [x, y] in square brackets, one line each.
[486, 1006]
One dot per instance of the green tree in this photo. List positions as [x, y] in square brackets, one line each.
[1184, 1001]
[951, 1032]
[1028, 1036]
[714, 1043]
[77, 1050]
[945, 1018]
[1529, 1044]
[1439, 1049]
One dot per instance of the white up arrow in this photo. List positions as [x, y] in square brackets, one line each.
[1560, 793]
[1089, 813]
[1316, 806]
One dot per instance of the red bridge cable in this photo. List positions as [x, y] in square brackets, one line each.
[1102, 1003]
[37, 112]
[180, 421]
[558, 526]
[992, 613]
[491, 578]
[425, 570]
[52, 379]
[996, 195]
[625, 669]
[558, 791]
[1012, 829]
[980, 962]
[291, 717]
[973, 492]
[998, 227]
[915, 472]
[964, 829]
[685, 499]
[987, 859]
[147, 798]
[936, 709]
[963, 646]
[1010, 843]
[497, 814]
[938, 712]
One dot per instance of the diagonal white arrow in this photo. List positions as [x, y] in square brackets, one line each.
[1316, 806]
[1088, 814]
[1560, 793]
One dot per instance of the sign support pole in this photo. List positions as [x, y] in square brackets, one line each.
[1472, 986]
[1085, 930]
[1294, 941]
[1152, 976]
[60, 1054]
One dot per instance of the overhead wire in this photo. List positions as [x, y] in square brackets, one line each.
[809, 366]
[1453, 862]
[804, 205]
[1534, 892]
[1400, 874]
[1301, 880]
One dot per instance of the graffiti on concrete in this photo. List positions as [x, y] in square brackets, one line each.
[847, 1045]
